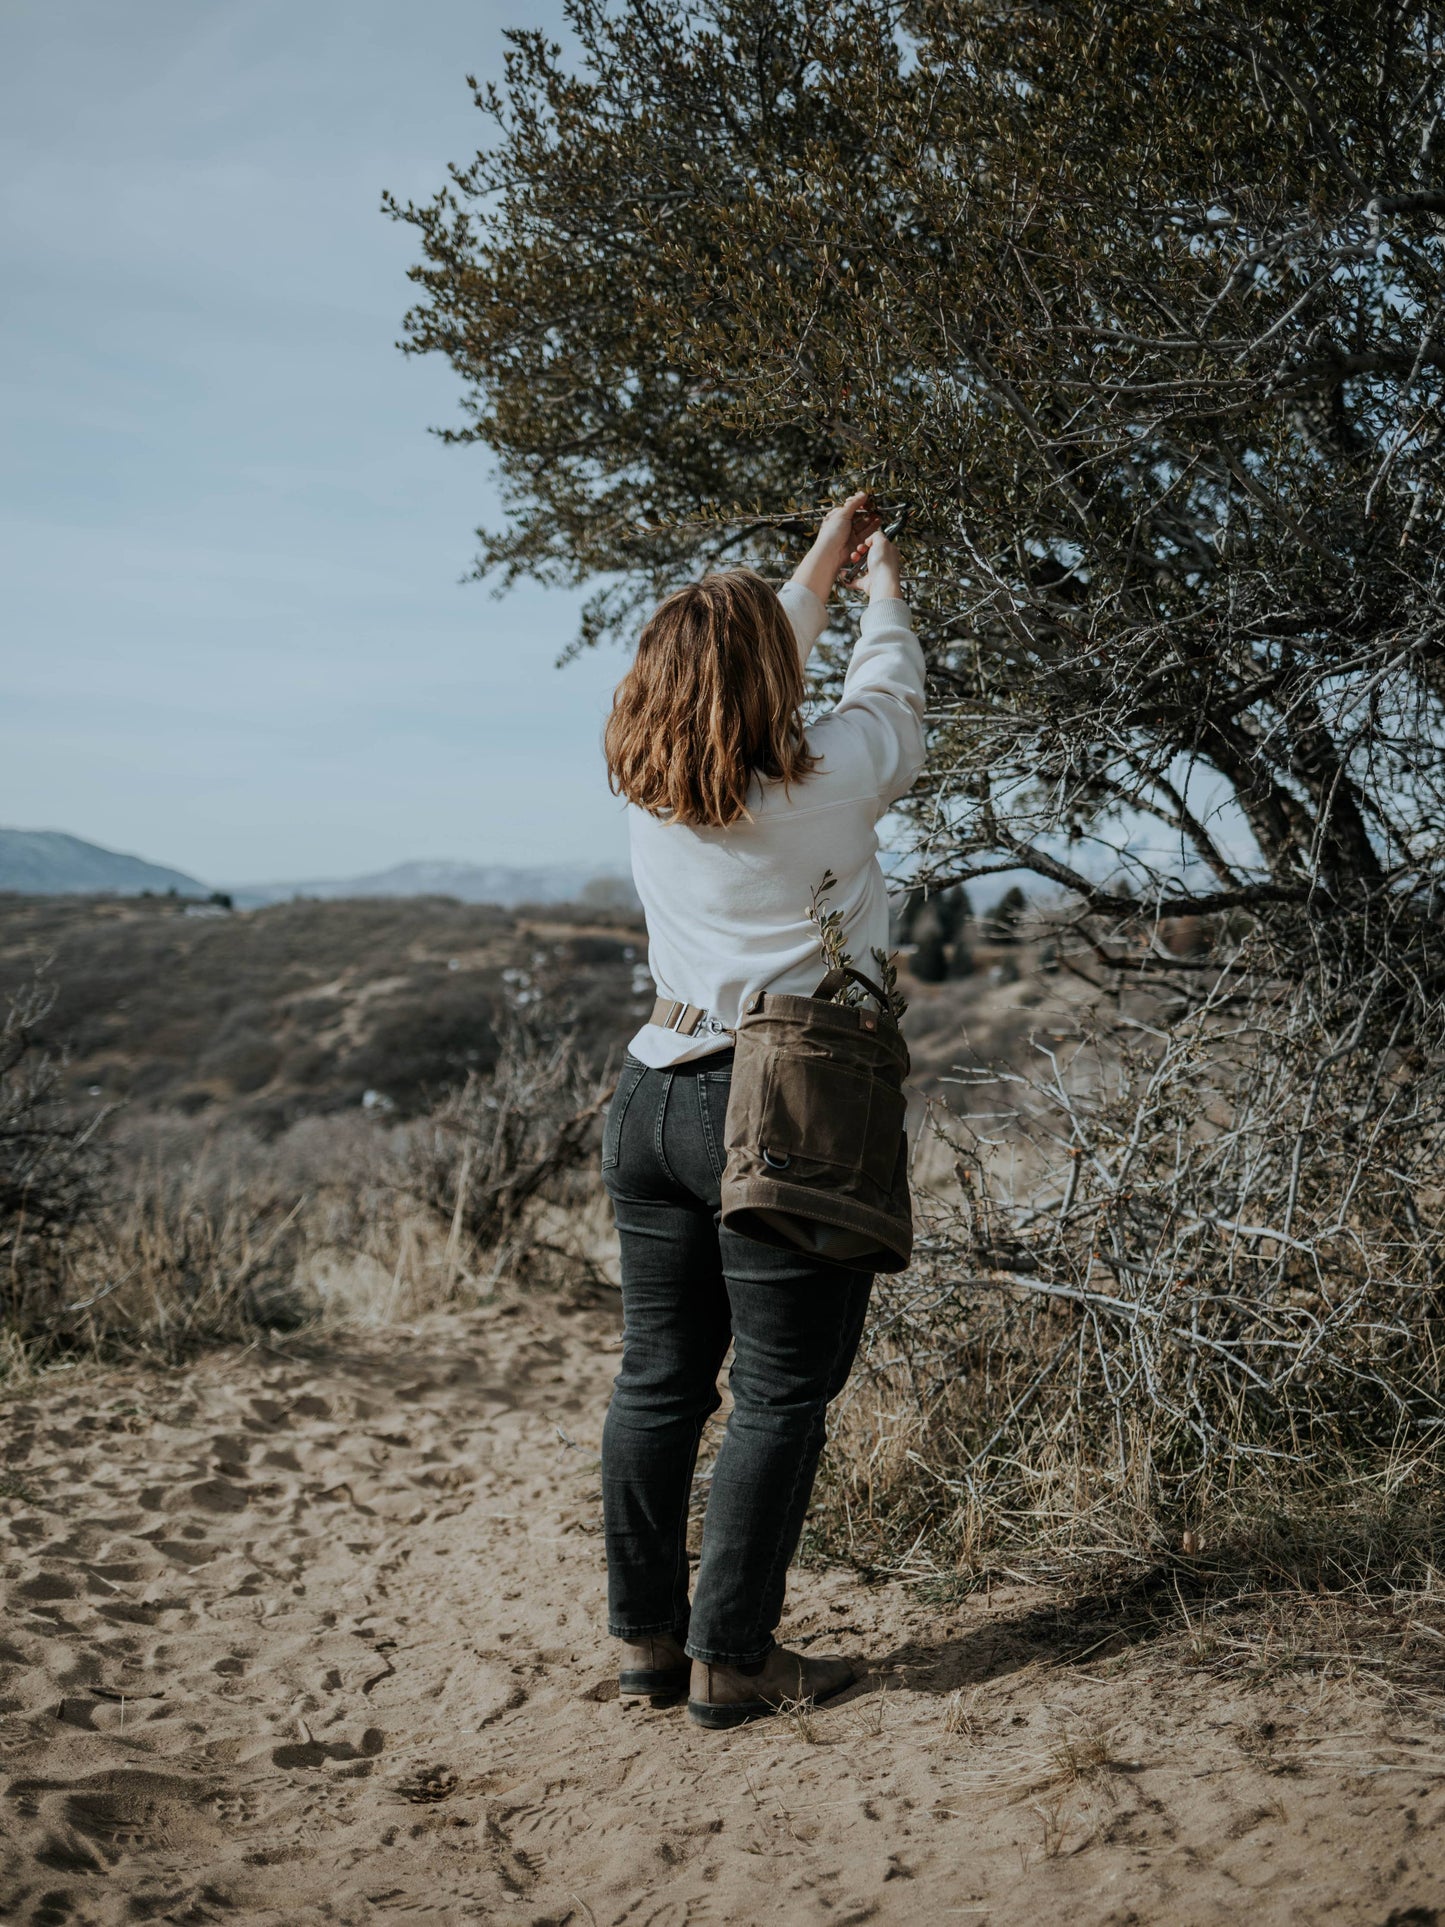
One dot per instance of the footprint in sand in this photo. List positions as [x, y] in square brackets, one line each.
[219, 1495]
[235, 1810]
[53, 1910]
[116, 1813]
[126, 1811]
[50, 1585]
[675, 1911]
[428, 1785]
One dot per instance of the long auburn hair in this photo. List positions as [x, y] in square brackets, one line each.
[712, 698]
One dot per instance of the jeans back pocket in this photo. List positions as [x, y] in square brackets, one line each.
[628, 1079]
[713, 1088]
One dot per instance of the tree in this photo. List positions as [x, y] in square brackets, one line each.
[922, 914]
[1002, 925]
[1137, 306]
[929, 962]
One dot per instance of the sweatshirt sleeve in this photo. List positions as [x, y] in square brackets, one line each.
[883, 696]
[807, 615]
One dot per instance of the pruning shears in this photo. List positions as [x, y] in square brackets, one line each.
[892, 529]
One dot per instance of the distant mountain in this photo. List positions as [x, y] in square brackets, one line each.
[498, 883]
[47, 863]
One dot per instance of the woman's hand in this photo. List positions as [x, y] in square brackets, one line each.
[840, 544]
[843, 539]
[884, 574]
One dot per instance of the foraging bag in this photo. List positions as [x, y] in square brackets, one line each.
[817, 1159]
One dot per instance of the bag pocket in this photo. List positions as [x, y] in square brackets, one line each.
[628, 1079]
[816, 1112]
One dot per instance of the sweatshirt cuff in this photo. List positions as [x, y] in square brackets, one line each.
[803, 605]
[808, 616]
[888, 612]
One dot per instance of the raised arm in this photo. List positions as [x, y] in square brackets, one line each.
[883, 691]
[840, 542]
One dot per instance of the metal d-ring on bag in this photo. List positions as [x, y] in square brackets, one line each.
[817, 1158]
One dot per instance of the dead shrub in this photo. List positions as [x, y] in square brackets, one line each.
[219, 1232]
[1184, 1294]
[52, 1167]
[502, 1142]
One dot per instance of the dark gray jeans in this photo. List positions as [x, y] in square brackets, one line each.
[688, 1289]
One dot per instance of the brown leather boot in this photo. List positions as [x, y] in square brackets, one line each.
[722, 1696]
[655, 1667]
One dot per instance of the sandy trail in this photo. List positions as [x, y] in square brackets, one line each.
[314, 1636]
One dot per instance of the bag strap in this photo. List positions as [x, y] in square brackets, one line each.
[836, 978]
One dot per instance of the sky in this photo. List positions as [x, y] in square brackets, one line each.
[234, 635]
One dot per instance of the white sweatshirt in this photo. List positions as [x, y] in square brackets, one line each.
[727, 909]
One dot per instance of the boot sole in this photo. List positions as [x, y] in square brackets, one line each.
[659, 1684]
[743, 1712]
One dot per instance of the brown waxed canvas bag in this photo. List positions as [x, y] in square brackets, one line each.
[817, 1159]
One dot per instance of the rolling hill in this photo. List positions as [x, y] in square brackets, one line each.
[48, 863]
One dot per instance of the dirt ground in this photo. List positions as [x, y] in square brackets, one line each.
[312, 1634]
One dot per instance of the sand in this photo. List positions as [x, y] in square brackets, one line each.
[313, 1634]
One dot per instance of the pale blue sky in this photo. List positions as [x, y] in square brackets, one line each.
[234, 637]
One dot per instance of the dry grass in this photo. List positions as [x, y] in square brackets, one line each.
[1079, 1758]
[1173, 1335]
[805, 1726]
[961, 1717]
[222, 1236]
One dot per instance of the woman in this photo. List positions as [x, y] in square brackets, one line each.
[736, 811]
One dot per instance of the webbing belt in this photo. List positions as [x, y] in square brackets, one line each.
[685, 1019]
